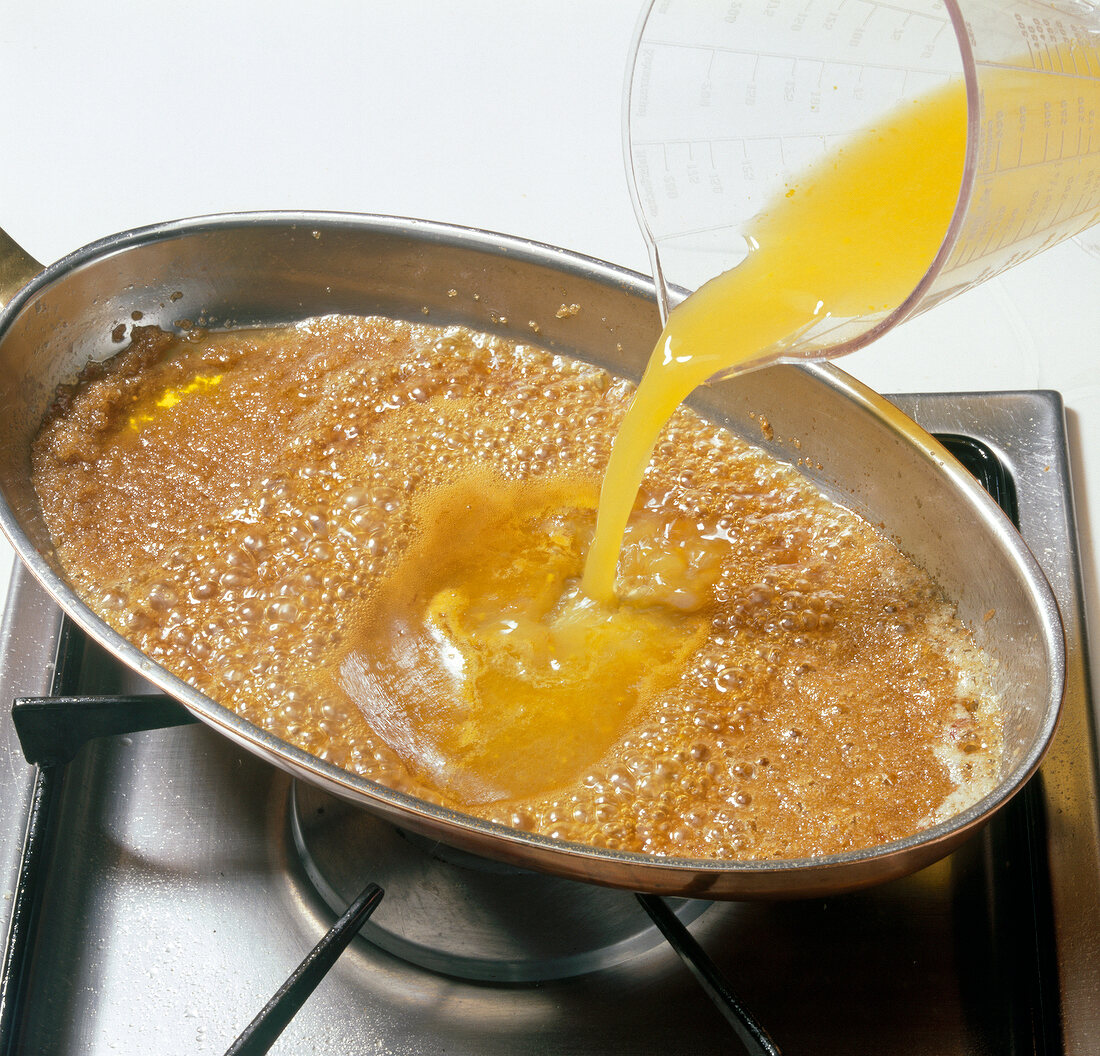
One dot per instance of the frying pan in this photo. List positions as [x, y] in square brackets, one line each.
[269, 268]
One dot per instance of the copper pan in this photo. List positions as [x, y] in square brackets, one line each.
[264, 268]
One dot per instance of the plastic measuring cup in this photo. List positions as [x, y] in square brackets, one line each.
[727, 99]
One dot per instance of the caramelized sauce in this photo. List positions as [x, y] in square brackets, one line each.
[368, 536]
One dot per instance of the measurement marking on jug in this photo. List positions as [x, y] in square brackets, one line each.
[860, 63]
[764, 137]
[856, 38]
[930, 48]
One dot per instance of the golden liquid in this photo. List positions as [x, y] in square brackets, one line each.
[484, 655]
[853, 236]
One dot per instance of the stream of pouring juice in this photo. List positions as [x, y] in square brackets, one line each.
[853, 236]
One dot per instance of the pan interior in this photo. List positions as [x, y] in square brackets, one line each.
[269, 269]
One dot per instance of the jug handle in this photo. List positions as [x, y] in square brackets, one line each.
[17, 267]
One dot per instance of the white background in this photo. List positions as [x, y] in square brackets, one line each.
[494, 114]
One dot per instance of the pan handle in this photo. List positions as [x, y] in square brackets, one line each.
[17, 267]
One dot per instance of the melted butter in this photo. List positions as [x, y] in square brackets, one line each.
[171, 396]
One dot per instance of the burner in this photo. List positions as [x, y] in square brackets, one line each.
[464, 916]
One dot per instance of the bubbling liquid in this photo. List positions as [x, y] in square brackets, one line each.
[367, 536]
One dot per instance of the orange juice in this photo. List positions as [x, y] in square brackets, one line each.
[853, 236]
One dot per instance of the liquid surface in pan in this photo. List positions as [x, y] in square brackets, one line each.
[368, 535]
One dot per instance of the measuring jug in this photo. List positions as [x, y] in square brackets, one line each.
[727, 99]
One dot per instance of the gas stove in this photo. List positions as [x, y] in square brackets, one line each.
[172, 883]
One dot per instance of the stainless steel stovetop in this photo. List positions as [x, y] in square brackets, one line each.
[171, 901]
